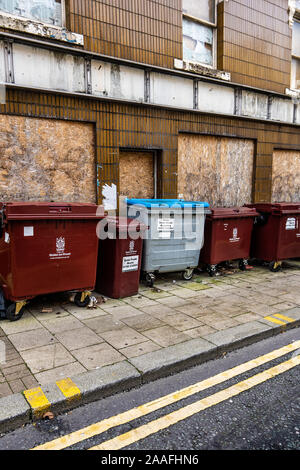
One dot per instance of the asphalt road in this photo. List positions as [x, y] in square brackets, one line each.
[231, 403]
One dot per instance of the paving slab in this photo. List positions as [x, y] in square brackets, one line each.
[83, 337]
[46, 357]
[165, 336]
[140, 349]
[142, 322]
[28, 323]
[31, 339]
[97, 356]
[123, 337]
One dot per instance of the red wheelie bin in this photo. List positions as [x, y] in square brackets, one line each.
[276, 234]
[120, 256]
[227, 236]
[47, 248]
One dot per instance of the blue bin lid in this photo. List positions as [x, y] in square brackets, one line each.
[165, 203]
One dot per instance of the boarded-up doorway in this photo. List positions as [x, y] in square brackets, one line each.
[286, 176]
[218, 170]
[138, 174]
[46, 160]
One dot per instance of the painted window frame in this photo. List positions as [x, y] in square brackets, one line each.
[213, 26]
[294, 57]
[40, 21]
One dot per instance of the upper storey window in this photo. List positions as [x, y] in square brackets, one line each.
[45, 11]
[296, 49]
[199, 31]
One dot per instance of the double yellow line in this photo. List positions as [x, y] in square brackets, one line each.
[165, 421]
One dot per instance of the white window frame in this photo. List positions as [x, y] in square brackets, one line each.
[38, 21]
[295, 20]
[215, 35]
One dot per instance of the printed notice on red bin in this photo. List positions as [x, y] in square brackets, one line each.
[130, 263]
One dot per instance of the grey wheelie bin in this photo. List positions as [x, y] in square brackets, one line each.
[175, 236]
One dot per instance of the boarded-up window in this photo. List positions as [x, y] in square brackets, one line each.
[46, 160]
[137, 174]
[218, 170]
[286, 176]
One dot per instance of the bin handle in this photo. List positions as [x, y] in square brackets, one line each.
[60, 209]
[2, 223]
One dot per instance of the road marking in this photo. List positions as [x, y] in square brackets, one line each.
[68, 388]
[37, 400]
[127, 416]
[170, 419]
[274, 320]
[283, 317]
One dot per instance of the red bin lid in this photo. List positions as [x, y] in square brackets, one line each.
[277, 207]
[50, 210]
[231, 212]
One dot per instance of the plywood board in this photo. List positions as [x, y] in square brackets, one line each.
[137, 174]
[286, 176]
[218, 170]
[46, 160]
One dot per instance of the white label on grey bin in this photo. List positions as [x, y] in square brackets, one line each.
[130, 263]
[290, 223]
[165, 225]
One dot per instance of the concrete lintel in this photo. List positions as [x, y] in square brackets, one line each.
[40, 29]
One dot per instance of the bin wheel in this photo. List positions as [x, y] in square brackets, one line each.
[275, 266]
[212, 270]
[150, 278]
[243, 264]
[187, 274]
[11, 312]
[77, 300]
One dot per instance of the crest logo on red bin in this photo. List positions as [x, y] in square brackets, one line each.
[131, 245]
[60, 245]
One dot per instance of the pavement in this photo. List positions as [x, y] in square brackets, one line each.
[59, 356]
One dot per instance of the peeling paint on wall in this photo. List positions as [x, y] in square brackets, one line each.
[46, 160]
[286, 176]
[215, 169]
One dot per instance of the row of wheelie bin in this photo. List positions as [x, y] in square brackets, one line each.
[269, 232]
[50, 247]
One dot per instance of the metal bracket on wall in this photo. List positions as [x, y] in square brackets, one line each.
[237, 101]
[195, 98]
[9, 61]
[147, 86]
[88, 75]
